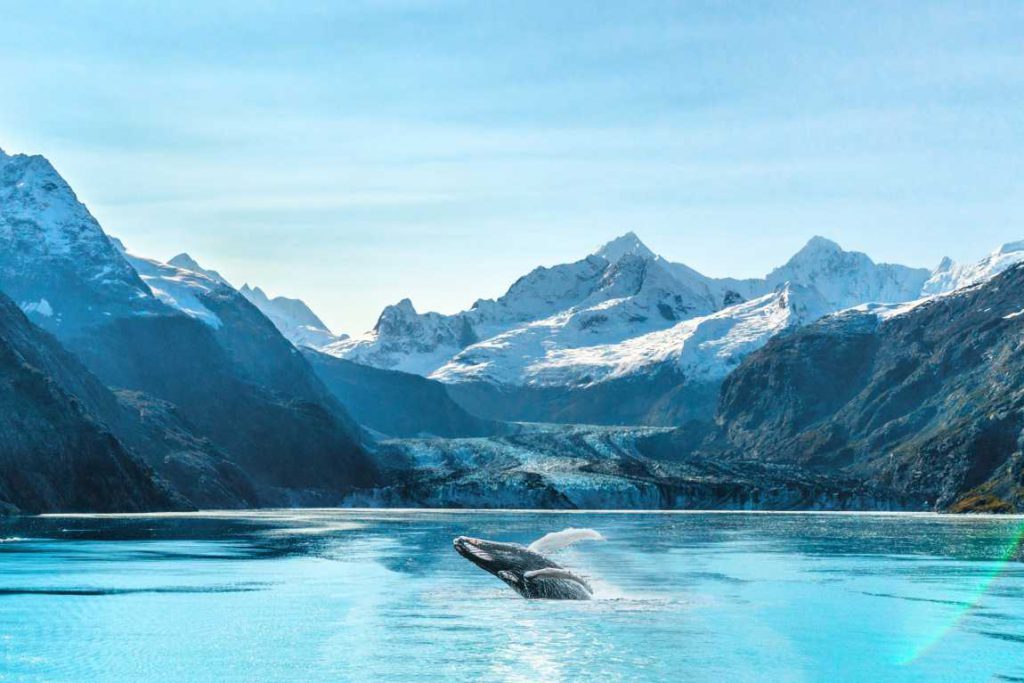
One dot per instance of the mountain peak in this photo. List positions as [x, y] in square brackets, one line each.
[405, 306]
[819, 244]
[623, 245]
[183, 260]
[818, 250]
[1011, 247]
[252, 292]
[186, 262]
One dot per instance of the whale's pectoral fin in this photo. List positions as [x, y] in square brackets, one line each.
[552, 574]
[558, 540]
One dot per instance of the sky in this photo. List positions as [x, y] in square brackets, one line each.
[353, 154]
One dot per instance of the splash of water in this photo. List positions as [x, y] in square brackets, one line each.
[557, 540]
[1008, 555]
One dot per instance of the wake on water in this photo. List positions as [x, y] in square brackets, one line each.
[604, 591]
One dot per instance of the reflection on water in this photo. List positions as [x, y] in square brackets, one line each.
[333, 595]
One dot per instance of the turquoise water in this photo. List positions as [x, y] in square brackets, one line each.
[331, 595]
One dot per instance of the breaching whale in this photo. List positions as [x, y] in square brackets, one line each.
[525, 569]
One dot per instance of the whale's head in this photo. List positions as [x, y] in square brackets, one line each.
[496, 557]
[528, 573]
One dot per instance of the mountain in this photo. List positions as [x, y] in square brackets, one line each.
[668, 377]
[177, 336]
[292, 317]
[607, 299]
[237, 379]
[55, 261]
[56, 455]
[397, 404]
[388, 403]
[949, 276]
[913, 406]
[295, 320]
[927, 398]
[622, 336]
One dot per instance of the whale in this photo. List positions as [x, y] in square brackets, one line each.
[525, 569]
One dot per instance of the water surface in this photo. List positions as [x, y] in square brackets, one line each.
[332, 595]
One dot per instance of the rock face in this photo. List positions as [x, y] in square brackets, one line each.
[928, 399]
[55, 454]
[618, 323]
[178, 336]
[397, 404]
[196, 468]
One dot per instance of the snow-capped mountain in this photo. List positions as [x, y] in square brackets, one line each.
[292, 317]
[625, 310]
[704, 347]
[949, 276]
[296, 321]
[847, 278]
[619, 291]
[185, 339]
[42, 222]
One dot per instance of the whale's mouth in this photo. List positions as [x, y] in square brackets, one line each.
[471, 549]
[477, 551]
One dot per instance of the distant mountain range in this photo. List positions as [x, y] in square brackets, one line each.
[832, 382]
[624, 336]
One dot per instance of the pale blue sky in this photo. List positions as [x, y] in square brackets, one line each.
[356, 153]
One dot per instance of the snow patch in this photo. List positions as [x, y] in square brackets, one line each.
[950, 276]
[41, 307]
[178, 288]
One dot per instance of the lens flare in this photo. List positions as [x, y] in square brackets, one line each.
[1009, 555]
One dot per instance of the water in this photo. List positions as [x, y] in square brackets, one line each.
[381, 596]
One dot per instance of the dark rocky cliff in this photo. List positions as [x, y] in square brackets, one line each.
[55, 454]
[930, 401]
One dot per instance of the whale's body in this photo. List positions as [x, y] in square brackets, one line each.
[527, 572]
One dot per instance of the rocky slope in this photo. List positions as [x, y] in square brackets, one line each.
[925, 399]
[55, 454]
[396, 404]
[233, 376]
